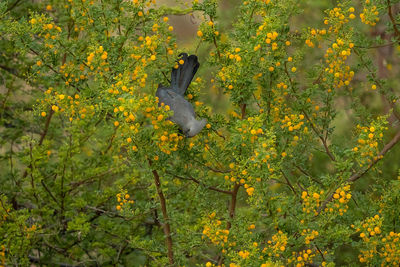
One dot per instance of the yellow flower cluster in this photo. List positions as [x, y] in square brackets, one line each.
[293, 123]
[245, 179]
[311, 201]
[339, 16]
[147, 109]
[244, 254]
[335, 58]
[48, 30]
[379, 246]
[30, 230]
[71, 106]
[213, 230]
[123, 200]
[102, 57]
[314, 34]
[391, 249]
[168, 142]
[370, 14]
[71, 73]
[234, 55]
[277, 245]
[208, 29]
[367, 147]
[309, 235]
[269, 37]
[302, 258]
[341, 197]
[121, 87]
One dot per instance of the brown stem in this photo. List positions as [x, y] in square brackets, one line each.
[385, 149]
[215, 40]
[392, 19]
[243, 109]
[46, 127]
[232, 206]
[166, 225]
[323, 140]
[289, 183]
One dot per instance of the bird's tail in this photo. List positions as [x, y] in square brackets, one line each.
[183, 75]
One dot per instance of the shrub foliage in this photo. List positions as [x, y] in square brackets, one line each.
[294, 168]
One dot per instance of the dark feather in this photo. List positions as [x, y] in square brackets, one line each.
[183, 75]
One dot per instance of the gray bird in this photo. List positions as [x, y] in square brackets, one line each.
[172, 96]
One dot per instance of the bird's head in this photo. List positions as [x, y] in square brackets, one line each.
[194, 127]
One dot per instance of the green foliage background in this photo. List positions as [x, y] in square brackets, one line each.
[297, 166]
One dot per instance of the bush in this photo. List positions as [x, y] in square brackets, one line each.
[292, 169]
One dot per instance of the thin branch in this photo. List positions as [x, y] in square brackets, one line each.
[392, 19]
[375, 46]
[232, 206]
[385, 149]
[289, 183]
[48, 191]
[323, 140]
[46, 126]
[307, 174]
[166, 225]
[13, 6]
[200, 183]
[358, 175]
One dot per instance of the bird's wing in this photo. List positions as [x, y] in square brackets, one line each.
[180, 105]
[183, 75]
[183, 109]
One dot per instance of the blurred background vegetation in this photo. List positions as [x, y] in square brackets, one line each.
[16, 100]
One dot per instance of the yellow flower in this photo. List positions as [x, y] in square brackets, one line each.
[250, 191]
[199, 33]
[43, 114]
